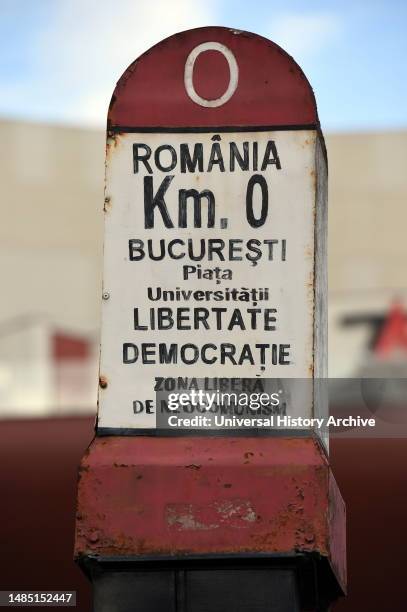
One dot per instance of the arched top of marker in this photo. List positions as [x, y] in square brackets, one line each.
[213, 77]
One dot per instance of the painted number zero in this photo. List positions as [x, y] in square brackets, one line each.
[189, 74]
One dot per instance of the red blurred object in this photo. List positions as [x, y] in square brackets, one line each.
[393, 335]
[66, 347]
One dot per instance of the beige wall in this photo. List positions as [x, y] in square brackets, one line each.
[51, 230]
[368, 211]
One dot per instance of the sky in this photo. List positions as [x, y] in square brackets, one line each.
[60, 59]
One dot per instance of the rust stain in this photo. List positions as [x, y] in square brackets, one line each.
[93, 537]
[309, 251]
[107, 204]
[267, 541]
[313, 176]
[113, 140]
[103, 382]
[193, 466]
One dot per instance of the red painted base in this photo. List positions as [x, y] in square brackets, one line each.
[157, 497]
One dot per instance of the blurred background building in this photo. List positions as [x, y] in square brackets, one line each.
[50, 265]
[51, 256]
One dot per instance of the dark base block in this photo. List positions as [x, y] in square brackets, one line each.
[279, 584]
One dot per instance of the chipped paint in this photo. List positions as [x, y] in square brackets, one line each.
[107, 204]
[283, 500]
[233, 513]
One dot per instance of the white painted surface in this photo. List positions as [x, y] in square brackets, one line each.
[290, 282]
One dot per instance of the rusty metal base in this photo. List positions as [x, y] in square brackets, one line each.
[186, 500]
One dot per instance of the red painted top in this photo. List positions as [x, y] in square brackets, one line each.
[262, 84]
